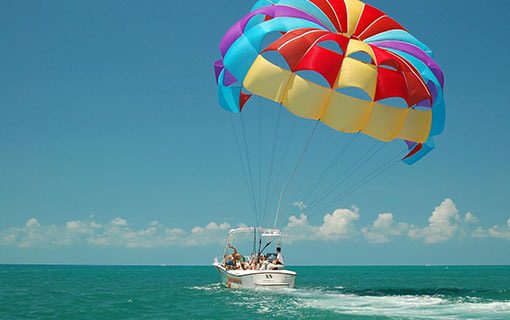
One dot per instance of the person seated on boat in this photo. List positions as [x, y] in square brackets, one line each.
[277, 263]
[235, 257]
[238, 258]
[263, 263]
[260, 262]
[228, 262]
[279, 256]
[252, 262]
[241, 262]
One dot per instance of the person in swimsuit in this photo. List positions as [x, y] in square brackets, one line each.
[228, 262]
[236, 257]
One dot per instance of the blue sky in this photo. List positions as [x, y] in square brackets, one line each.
[110, 121]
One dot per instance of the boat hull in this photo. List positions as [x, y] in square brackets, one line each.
[253, 279]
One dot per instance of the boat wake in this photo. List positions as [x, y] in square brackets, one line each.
[325, 303]
[404, 306]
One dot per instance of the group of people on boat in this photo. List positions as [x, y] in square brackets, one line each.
[236, 261]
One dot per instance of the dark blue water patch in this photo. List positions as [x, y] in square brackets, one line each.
[487, 282]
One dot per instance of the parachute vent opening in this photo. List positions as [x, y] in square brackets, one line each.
[423, 105]
[386, 66]
[269, 39]
[314, 77]
[361, 56]
[276, 58]
[332, 46]
[255, 20]
[395, 102]
[355, 92]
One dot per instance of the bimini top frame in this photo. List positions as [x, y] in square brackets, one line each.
[262, 232]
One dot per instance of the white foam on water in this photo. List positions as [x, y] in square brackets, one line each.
[208, 287]
[292, 302]
[405, 306]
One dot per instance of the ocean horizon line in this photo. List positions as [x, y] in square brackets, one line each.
[209, 265]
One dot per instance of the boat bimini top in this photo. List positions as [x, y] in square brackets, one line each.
[267, 235]
[264, 232]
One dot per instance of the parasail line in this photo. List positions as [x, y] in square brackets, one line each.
[273, 152]
[250, 195]
[260, 156]
[249, 164]
[278, 209]
[320, 155]
[284, 156]
[363, 181]
[349, 172]
[331, 166]
[300, 159]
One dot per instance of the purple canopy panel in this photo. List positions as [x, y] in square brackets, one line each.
[218, 67]
[415, 51]
[228, 78]
[433, 90]
[273, 11]
[424, 104]
[410, 144]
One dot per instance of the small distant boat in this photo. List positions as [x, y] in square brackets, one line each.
[258, 270]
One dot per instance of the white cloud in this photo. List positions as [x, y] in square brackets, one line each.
[499, 232]
[32, 223]
[117, 233]
[213, 232]
[119, 222]
[470, 218]
[444, 224]
[336, 225]
[384, 229]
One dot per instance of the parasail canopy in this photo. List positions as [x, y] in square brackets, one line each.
[347, 44]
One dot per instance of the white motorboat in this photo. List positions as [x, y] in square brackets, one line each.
[263, 275]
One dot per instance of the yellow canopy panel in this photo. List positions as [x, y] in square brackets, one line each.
[337, 110]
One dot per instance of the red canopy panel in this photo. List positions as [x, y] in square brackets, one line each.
[367, 17]
[390, 83]
[302, 51]
[383, 24]
[417, 89]
[293, 45]
[323, 61]
[336, 12]
[373, 21]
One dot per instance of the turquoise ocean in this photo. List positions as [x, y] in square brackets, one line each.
[167, 292]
